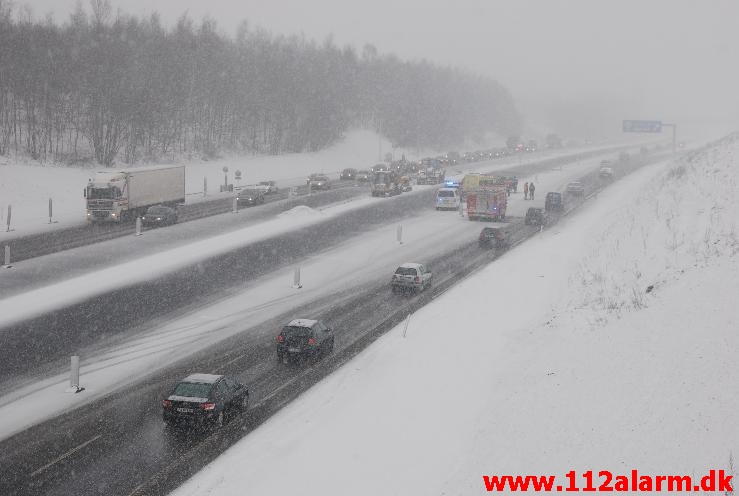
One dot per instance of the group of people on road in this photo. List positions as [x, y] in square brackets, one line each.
[528, 191]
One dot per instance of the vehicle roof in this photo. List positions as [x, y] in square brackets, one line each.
[202, 378]
[447, 189]
[302, 323]
[410, 265]
[574, 182]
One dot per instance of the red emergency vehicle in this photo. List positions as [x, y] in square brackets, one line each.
[487, 204]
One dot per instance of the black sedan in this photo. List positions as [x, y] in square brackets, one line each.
[348, 174]
[204, 400]
[250, 197]
[304, 338]
[159, 215]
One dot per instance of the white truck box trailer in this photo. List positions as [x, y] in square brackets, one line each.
[126, 194]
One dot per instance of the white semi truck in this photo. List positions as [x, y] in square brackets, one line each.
[123, 195]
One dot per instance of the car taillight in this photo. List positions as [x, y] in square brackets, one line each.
[418, 279]
[311, 342]
[208, 406]
[166, 404]
[280, 338]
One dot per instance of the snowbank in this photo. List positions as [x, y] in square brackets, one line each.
[528, 368]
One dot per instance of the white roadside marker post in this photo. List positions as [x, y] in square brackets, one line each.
[74, 376]
[399, 234]
[10, 211]
[50, 211]
[7, 257]
[138, 226]
[205, 186]
[407, 321]
[296, 279]
[236, 205]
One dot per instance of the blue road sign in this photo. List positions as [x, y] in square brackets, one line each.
[642, 126]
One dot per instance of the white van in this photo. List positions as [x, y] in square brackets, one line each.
[447, 199]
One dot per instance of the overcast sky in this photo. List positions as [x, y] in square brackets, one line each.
[592, 62]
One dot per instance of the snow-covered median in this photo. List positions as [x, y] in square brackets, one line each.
[553, 358]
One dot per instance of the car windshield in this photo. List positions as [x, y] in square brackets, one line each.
[445, 194]
[298, 331]
[157, 210]
[320, 178]
[192, 390]
[265, 183]
[406, 271]
[249, 192]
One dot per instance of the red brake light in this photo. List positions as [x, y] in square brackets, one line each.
[166, 404]
[208, 406]
[311, 342]
[280, 338]
[418, 279]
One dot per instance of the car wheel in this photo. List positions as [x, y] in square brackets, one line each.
[330, 346]
[219, 420]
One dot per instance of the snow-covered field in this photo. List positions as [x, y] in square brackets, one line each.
[363, 260]
[608, 342]
[28, 187]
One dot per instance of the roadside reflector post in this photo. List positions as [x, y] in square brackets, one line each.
[399, 233]
[7, 257]
[74, 376]
[10, 211]
[407, 321]
[296, 279]
[205, 186]
[138, 226]
[236, 205]
[50, 211]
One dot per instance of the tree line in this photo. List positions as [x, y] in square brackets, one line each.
[116, 87]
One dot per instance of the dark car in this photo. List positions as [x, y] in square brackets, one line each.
[535, 217]
[553, 202]
[363, 176]
[494, 237]
[381, 168]
[203, 400]
[319, 182]
[250, 197]
[304, 338]
[159, 215]
[348, 174]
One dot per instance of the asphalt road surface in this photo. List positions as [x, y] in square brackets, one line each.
[119, 445]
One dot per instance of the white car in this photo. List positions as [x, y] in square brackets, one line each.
[447, 199]
[576, 188]
[268, 187]
[606, 172]
[411, 277]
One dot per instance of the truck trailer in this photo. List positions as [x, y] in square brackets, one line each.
[126, 194]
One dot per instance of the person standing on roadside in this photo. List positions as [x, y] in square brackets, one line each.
[532, 188]
[526, 191]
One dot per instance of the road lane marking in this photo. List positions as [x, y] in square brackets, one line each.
[65, 455]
